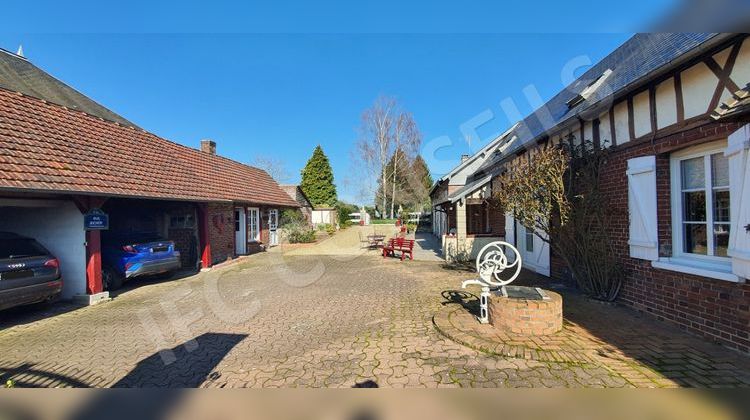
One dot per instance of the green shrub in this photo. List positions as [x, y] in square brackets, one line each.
[301, 236]
[292, 216]
[295, 227]
[343, 210]
[330, 229]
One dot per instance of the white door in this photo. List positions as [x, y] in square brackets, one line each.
[253, 224]
[273, 223]
[240, 231]
[534, 251]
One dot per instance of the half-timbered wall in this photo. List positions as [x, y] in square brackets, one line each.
[663, 116]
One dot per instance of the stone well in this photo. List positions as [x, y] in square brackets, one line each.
[525, 311]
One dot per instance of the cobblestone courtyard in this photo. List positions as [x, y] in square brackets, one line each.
[278, 320]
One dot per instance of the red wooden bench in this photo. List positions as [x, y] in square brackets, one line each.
[403, 245]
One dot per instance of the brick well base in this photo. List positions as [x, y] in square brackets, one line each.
[525, 316]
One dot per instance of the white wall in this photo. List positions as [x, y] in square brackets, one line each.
[457, 249]
[58, 226]
[323, 216]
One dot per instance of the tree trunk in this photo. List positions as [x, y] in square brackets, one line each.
[385, 193]
[393, 194]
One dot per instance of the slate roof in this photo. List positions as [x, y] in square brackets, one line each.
[19, 75]
[469, 188]
[630, 63]
[46, 147]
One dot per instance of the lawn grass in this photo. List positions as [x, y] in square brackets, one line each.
[383, 221]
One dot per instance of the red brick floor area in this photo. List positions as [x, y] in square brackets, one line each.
[278, 320]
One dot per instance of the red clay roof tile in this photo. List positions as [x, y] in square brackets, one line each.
[51, 148]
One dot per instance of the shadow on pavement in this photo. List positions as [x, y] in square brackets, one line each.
[150, 280]
[183, 366]
[187, 365]
[29, 375]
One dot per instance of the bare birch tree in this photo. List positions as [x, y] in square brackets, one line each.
[375, 145]
[389, 140]
[276, 168]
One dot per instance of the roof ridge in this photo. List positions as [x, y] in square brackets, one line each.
[68, 87]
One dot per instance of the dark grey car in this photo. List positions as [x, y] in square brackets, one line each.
[28, 272]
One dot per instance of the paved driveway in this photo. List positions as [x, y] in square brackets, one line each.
[275, 320]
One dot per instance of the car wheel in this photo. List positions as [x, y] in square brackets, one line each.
[111, 279]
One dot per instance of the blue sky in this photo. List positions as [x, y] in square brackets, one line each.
[279, 94]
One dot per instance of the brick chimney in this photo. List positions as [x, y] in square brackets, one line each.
[208, 146]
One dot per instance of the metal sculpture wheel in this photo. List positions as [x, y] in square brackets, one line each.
[494, 259]
[494, 263]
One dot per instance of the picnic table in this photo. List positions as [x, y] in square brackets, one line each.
[372, 240]
[376, 240]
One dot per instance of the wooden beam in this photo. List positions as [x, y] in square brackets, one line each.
[595, 131]
[631, 118]
[612, 130]
[724, 75]
[679, 99]
[652, 107]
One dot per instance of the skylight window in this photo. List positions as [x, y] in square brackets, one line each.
[589, 90]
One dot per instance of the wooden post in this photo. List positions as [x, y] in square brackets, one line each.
[204, 246]
[93, 246]
[93, 262]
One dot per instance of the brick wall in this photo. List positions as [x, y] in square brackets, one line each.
[186, 242]
[715, 309]
[527, 317]
[497, 220]
[221, 231]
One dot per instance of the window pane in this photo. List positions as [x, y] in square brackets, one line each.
[719, 170]
[694, 206]
[695, 239]
[529, 241]
[693, 173]
[721, 240]
[721, 206]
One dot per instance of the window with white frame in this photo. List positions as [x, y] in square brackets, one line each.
[700, 202]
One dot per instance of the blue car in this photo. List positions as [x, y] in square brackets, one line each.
[135, 254]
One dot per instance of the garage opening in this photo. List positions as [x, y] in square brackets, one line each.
[174, 221]
[58, 226]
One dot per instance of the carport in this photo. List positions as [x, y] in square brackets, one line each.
[57, 224]
[67, 163]
[173, 220]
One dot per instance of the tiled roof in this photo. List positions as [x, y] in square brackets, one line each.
[736, 106]
[19, 75]
[297, 194]
[631, 62]
[47, 147]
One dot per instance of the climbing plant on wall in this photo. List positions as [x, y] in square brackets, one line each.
[556, 191]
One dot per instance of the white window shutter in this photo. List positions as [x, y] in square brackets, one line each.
[644, 238]
[739, 195]
[510, 236]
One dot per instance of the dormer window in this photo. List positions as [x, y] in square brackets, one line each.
[589, 90]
